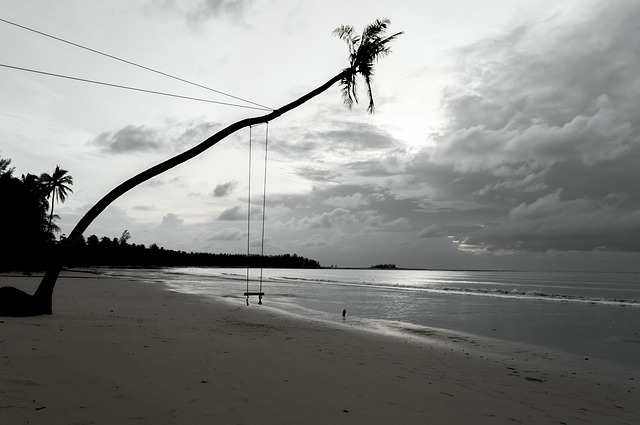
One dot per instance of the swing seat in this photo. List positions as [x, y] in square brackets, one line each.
[259, 294]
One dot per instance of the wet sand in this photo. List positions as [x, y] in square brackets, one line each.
[128, 352]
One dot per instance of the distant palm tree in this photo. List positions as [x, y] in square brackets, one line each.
[364, 51]
[5, 167]
[57, 186]
[39, 194]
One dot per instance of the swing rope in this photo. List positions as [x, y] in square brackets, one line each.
[249, 217]
[264, 199]
[264, 205]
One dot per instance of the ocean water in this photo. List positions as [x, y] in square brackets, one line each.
[585, 314]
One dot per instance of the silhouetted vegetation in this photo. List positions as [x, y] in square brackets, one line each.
[384, 266]
[28, 238]
[117, 252]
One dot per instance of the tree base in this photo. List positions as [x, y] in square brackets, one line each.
[17, 303]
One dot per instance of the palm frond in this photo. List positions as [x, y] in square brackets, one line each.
[367, 80]
[349, 88]
[364, 52]
[344, 32]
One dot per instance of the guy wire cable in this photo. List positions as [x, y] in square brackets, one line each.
[85, 80]
[133, 63]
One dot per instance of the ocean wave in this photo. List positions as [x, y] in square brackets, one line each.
[495, 292]
[514, 293]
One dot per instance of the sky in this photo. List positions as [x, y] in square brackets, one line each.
[506, 134]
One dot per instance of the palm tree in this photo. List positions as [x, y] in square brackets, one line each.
[364, 51]
[38, 193]
[57, 186]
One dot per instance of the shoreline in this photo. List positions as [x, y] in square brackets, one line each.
[529, 321]
[126, 351]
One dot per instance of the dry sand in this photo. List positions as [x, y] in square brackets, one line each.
[126, 352]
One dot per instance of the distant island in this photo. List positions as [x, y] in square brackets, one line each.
[384, 266]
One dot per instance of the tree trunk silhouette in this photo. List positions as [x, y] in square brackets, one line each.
[14, 302]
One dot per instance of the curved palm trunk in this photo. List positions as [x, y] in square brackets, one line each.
[43, 295]
[51, 213]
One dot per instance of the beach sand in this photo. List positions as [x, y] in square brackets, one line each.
[128, 352]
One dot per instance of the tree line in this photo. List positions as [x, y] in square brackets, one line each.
[28, 238]
[118, 252]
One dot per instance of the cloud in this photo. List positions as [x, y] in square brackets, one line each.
[442, 231]
[339, 217]
[551, 223]
[207, 9]
[228, 234]
[312, 173]
[314, 241]
[129, 139]
[239, 213]
[546, 93]
[224, 189]
[350, 201]
[345, 153]
[171, 221]
[388, 163]
[189, 133]
[233, 214]
[260, 242]
[542, 135]
[197, 12]
[348, 209]
[170, 136]
[342, 138]
[356, 136]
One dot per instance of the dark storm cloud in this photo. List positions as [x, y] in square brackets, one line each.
[544, 128]
[551, 223]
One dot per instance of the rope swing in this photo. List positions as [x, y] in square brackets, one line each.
[248, 293]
